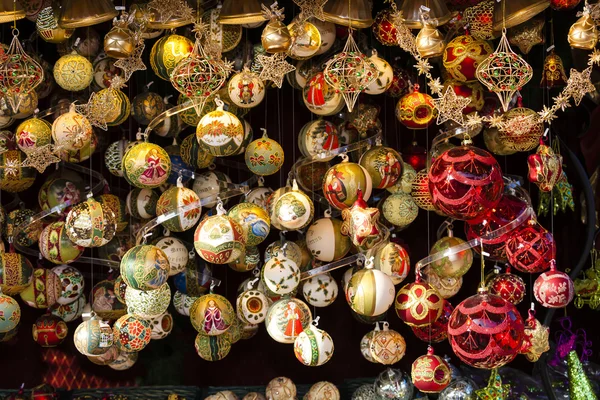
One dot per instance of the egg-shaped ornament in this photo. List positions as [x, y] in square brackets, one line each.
[174, 200]
[320, 290]
[11, 312]
[246, 89]
[252, 306]
[16, 273]
[145, 267]
[167, 52]
[255, 221]
[193, 155]
[430, 373]
[416, 110]
[131, 334]
[49, 330]
[141, 203]
[148, 304]
[48, 27]
[219, 239]
[451, 265]
[120, 41]
[73, 72]
[124, 360]
[419, 303]
[293, 210]
[72, 131]
[280, 275]
[383, 164]
[463, 54]
[93, 337]
[56, 246]
[220, 132]
[146, 165]
[212, 348]
[14, 177]
[33, 132]
[176, 252]
[313, 346]
[118, 102]
[44, 289]
[319, 97]
[342, 182]
[370, 292]
[105, 301]
[89, 224]
[212, 315]
[325, 241]
[317, 138]
[286, 319]
[384, 78]
[72, 283]
[553, 288]
[264, 156]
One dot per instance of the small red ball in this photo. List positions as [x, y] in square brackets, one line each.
[438, 330]
[530, 248]
[561, 5]
[465, 182]
[384, 29]
[419, 304]
[400, 83]
[553, 289]
[508, 286]
[430, 373]
[486, 331]
[49, 330]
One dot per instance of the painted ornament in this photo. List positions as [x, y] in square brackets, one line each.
[323, 391]
[535, 341]
[93, 337]
[72, 283]
[252, 306]
[320, 290]
[208, 185]
[120, 106]
[104, 71]
[148, 304]
[124, 360]
[447, 287]
[400, 209]
[48, 27]
[118, 207]
[167, 52]
[56, 246]
[365, 344]
[69, 312]
[14, 177]
[393, 260]
[248, 261]
[212, 348]
[212, 315]
[319, 97]
[553, 288]
[183, 302]
[254, 220]
[219, 239]
[44, 290]
[294, 210]
[105, 302]
[370, 292]
[385, 29]
[286, 249]
[161, 326]
[318, 137]
[145, 267]
[11, 313]
[418, 304]
[545, 168]
[385, 75]
[313, 347]
[141, 203]
[111, 355]
[24, 218]
[72, 131]
[73, 72]
[361, 224]
[451, 265]
[146, 165]
[146, 106]
[195, 279]
[61, 192]
[49, 330]
[286, 319]
[89, 224]
[325, 241]
[264, 156]
[383, 164]
[16, 273]
[193, 155]
[306, 39]
[387, 346]
[462, 56]
[416, 110]
[281, 388]
[430, 373]
[343, 181]
[131, 334]
[176, 252]
[173, 200]
[280, 275]
[220, 132]
[33, 132]
[246, 89]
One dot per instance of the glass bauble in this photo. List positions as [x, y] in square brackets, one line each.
[400, 209]
[387, 346]
[370, 292]
[325, 241]
[385, 76]
[394, 384]
[44, 290]
[145, 267]
[89, 224]
[508, 286]
[16, 273]
[281, 388]
[280, 275]
[72, 283]
[393, 260]
[530, 247]
[264, 156]
[148, 304]
[212, 315]
[161, 326]
[33, 132]
[120, 106]
[176, 252]
[246, 89]
[437, 331]
[553, 288]
[486, 331]
[220, 133]
[342, 182]
[131, 334]
[286, 319]
[146, 165]
[208, 185]
[418, 304]
[141, 203]
[72, 131]
[317, 137]
[293, 210]
[252, 306]
[124, 360]
[313, 347]
[384, 28]
[61, 192]
[49, 330]
[69, 312]
[416, 110]
[460, 389]
[219, 239]
[447, 287]
[195, 279]
[420, 191]
[167, 52]
[118, 207]
[451, 266]
[212, 348]
[182, 303]
[255, 221]
[275, 37]
[120, 41]
[11, 312]
[470, 90]
[22, 228]
[561, 5]
[319, 97]
[105, 301]
[172, 200]
[93, 337]
[193, 155]
[527, 131]
[462, 56]
[465, 182]
[104, 71]
[430, 373]
[14, 177]
[320, 391]
[248, 261]
[73, 72]
[146, 106]
[383, 164]
[320, 291]
[56, 246]
[306, 40]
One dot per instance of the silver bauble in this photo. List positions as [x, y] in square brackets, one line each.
[394, 384]
[460, 389]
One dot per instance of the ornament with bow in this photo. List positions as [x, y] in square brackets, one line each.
[545, 167]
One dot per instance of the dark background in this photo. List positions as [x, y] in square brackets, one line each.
[173, 361]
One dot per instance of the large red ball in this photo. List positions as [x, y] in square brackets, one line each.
[485, 331]
[419, 304]
[553, 289]
[465, 182]
[438, 330]
[530, 247]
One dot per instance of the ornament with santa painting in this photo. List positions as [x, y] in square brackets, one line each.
[383, 164]
[318, 137]
[319, 97]
[393, 260]
[342, 183]
[286, 319]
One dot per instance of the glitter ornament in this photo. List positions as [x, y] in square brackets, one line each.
[580, 387]
[73, 72]
[286, 319]
[33, 132]
[384, 28]
[145, 267]
[530, 247]
[49, 330]
[437, 331]
[274, 68]
[400, 209]
[554, 72]
[219, 239]
[264, 156]
[319, 97]
[146, 165]
[14, 176]
[463, 55]
[385, 75]
[387, 346]
[343, 181]
[521, 129]
[148, 305]
[56, 246]
[72, 283]
[220, 132]
[11, 312]
[495, 389]
[447, 287]
[88, 224]
[535, 341]
[16, 273]
[167, 52]
[545, 168]
[465, 182]
[430, 373]
[416, 110]
[93, 337]
[317, 137]
[72, 131]
[527, 34]
[313, 347]
[118, 102]
[418, 304]
[485, 331]
[320, 291]
[246, 89]
[420, 191]
[451, 266]
[393, 260]
[48, 27]
[131, 334]
[370, 292]
[173, 200]
[553, 288]
[508, 286]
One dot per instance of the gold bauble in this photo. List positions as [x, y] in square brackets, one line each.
[73, 72]
[583, 33]
[120, 107]
[430, 42]
[276, 37]
[167, 52]
[119, 42]
[306, 40]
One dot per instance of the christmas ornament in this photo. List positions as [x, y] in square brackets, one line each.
[73, 72]
[319, 97]
[387, 346]
[535, 341]
[56, 246]
[400, 83]
[147, 106]
[248, 261]
[416, 110]
[172, 201]
[465, 191]
[350, 72]
[169, 14]
[88, 224]
[147, 305]
[561, 5]
[167, 52]
[30, 230]
[118, 102]
[145, 267]
[280, 275]
[72, 283]
[281, 388]
[176, 252]
[479, 17]
[384, 78]
[450, 107]
[429, 41]
[11, 313]
[14, 176]
[293, 210]
[361, 223]
[246, 89]
[146, 165]
[463, 55]
[383, 165]
[49, 330]
[393, 384]
[131, 334]
[343, 181]
[93, 337]
[124, 360]
[470, 90]
[554, 72]
[485, 331]
[182, 303]
[364, 392]
[527, 34]
[400, 209]
[32, 133]
[120, 41]
[44, 290]
[223, 36]
[447, 287]
[365, 343]
[545, 168]
[437, 331]
[313, 347]
[193, 155]
[462, 388]
[108, 357]
[553, 288]
[521, 129]
[48, 27]
[495, 390]
[579, 384]
[254, 220]
[451, 265]
[274, 68]
[430, 373]
[161, 326]
[219, 239]
[264, 156]
[418, 304]
[420, 191]
[72, 131]
[141, 203]
[393, 260]
[286, 249]
[132, 63]
[583, 34]
[252, 306]
[325, 241]
[220, 132]
[370, 292]
[322, 391]
[276, 37]
[208, 185]
[105, 302]
[117, 206]
[286, 319]
[306, 40]
[320, 291]
[530, 247]
[105, 71]
[316, 138]
[508, 286]
[16, 273]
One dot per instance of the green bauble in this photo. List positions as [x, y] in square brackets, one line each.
[452, 266]
[22, 217]
[167, 52]
[120, 107]
[145, 267]
[193, 155]
[400, 209]
[146, 165]
[212, 348]
[147, 106]
[383, 164]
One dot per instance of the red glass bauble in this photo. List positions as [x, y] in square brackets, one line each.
[430, 373]
[400, 83]
[507, 210]
[485, 331]
[49, 330]
[508, 286]
[561, 5]
[415, 155]
[463, 54]
[419, 304]
[465, 182]
[384, 29]
[416, 110]
[530, 247]
[553, 289]
[438, 330]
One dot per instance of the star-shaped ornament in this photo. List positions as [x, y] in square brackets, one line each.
[594, 57]
[97, 109]
[450, 107]
[435, 86]
[547, 114]
[41, 157]
[423, 66]
[133, 63]
[579, 84]
[495, 390]
[274, 68]
[171, 9]
[311, 8]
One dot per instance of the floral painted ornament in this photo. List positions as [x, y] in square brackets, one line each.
[545, 168]
[220, 132]
[146, 165]
[281, 275]
[184, 202]
[286, 319]
[56, 246]
[212, 315]
[72, 283]
[44, 290]
[131, 334]
[141, 203]
[219, 239]
[11, 313]
[553, 288]
[320, 290]
[313, 346]
[264, 156]
[16, 273]
[148, 304]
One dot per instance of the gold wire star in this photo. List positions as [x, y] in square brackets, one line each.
[495, 390]
[435, 86]
[450, 107]
[274, 68]
[594, 57]
[423, 67]
[562, 101]
[167, 9]
[579, 84]
[40, 157]
[473, 120]
[97, 109]
[311, 8]
[133, 63]
[547, 114]
[495, 120]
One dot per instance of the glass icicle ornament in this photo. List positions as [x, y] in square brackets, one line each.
[19, 73]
